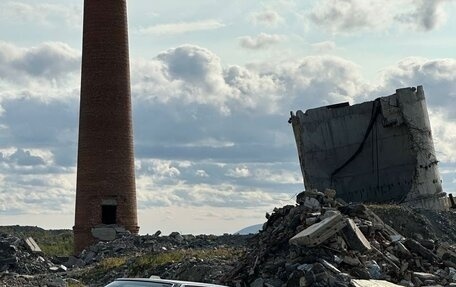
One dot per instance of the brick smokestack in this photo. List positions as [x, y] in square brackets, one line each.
[105, 189]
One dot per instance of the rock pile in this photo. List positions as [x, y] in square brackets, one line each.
[419, 223]
[45, 280]
[325, 242]
[23, 256]
[22, 264]
[148, 244]
[133, 249]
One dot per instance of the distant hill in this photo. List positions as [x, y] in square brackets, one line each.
[250, 229]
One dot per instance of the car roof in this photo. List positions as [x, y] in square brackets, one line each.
[157, 280]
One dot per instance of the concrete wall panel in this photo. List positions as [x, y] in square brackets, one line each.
[379, 151]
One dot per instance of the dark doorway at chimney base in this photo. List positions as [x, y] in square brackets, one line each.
[109, 214]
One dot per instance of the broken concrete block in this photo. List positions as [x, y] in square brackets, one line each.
[372, 283]
[319, 232]
[374, 269]
[425, 276]
[74, 261]
[60, 268]
[396, 237]
[354, 237]
[313, 193]
[54, 268]
[402, 250]
[311, 203]
[305, 267]
[352, 261]
[104, 233]
[176, 235]
[329, 266]
[416, 247]
[32, 245]
[318, 275]
[393, 258]
[338, 259]
[40, 259]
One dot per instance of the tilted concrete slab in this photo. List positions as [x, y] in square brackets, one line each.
[354, 237]
[380, 151]
[32, 245]
[319, 232]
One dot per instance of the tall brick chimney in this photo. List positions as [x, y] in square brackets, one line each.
[105, 189]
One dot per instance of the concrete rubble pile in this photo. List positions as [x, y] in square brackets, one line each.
[132, 246]
[323, 241]
[419, 223]
[22, 267]
[147, 244]
[23, 256]
[21, 262]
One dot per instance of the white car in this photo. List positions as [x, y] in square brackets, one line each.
[156, 282]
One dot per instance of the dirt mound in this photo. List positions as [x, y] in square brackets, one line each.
[419, 223]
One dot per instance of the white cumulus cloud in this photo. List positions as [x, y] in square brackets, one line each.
[192, 74]
[359, 15]
[261, 41]
[239, 171]
[349, 15]
[46, 70]
[427, 15]
[436, 75]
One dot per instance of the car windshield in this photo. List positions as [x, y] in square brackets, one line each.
[126, 283]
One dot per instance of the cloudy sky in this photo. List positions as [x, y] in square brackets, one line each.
[213, 83]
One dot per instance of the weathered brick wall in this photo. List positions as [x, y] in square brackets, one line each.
[105, 153]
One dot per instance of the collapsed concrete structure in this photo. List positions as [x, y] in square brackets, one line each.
[379, 151]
